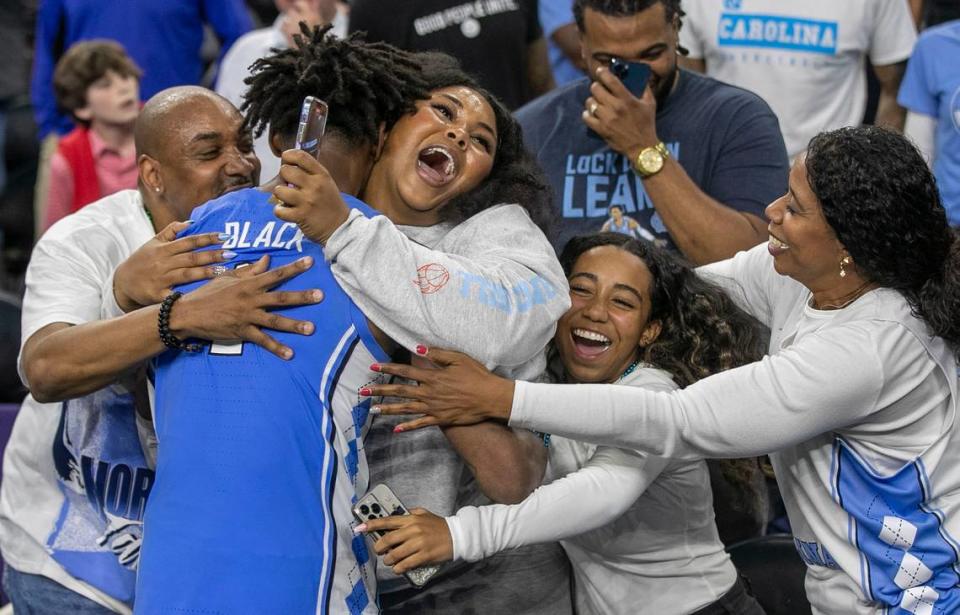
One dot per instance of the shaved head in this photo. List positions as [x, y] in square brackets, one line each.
[172, 109]
[192, 146]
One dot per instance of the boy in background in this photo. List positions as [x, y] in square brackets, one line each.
[99, 85]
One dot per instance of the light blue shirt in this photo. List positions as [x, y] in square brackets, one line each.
[931, 86]
[554, 14]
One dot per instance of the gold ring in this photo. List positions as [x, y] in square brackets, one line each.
[593, 109]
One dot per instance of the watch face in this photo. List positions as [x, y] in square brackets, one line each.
[651, 160]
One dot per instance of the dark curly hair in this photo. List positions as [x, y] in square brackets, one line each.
[702, 332]
[880, 198]
[516, 177]
[364, 84]
[627, 8]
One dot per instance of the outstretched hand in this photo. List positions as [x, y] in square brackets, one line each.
[411, 541]
[460, 391]
[148, 274]
[310, 198]
[235, 306]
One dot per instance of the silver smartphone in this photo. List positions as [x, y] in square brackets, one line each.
[382, 502]
[313, 123]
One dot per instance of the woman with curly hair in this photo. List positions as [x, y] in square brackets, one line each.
[860, 286]
[639, 318]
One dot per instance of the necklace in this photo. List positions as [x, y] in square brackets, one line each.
[845, 300]
[632, 368]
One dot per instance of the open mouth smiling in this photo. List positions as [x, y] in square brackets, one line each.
[589, 344]
[437, 165]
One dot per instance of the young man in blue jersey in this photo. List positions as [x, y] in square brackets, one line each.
[358, 82]
[260, 459]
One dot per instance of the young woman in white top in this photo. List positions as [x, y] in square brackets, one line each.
[858, 398]
[639, 530]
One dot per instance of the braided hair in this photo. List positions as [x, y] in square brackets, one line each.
[364, 84]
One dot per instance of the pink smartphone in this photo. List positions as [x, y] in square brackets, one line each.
[313, 122]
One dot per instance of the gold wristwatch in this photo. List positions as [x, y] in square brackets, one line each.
[650, 160]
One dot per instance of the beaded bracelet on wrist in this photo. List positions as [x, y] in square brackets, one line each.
[163, 326]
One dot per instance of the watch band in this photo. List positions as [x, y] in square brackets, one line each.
[649, 157]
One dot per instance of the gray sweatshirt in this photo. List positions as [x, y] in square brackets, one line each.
[490, 286]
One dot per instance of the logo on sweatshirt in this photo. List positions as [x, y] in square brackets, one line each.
[431, 278]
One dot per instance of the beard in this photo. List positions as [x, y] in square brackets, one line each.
[663, 87]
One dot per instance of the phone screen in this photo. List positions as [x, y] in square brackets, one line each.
[634, 75]
[313, 121]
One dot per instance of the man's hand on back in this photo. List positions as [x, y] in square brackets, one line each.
[148, 275]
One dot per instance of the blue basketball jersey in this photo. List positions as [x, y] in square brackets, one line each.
[260, 459]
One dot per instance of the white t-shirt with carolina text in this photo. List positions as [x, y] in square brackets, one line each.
[804, 57]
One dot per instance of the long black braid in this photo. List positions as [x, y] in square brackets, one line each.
[363, 83]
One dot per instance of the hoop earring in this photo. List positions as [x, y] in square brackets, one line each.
[844, 261]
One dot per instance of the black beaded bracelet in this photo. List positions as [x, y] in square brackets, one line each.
[163, 325]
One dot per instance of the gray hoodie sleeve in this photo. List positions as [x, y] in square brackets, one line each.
[490, 287]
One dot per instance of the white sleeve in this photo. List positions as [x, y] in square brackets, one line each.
[691, 32]
[750, 280]
[893, 35]
[827, 381]
[922, 130]
[63, 284]
[109, 308]
[593, 496]
[497, 297]
[234, 68]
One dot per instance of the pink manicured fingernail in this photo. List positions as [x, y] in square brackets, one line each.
[374, 409]
[365, 391]
[421, 349]
[360, 528]
[398, 429]
[375, 367]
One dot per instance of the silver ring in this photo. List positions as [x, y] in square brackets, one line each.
[218, 270]
[593, 109]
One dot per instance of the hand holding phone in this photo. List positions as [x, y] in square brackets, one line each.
[379, 503]
[634, 75]
[313, 123]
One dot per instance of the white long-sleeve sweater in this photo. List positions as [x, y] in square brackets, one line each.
[860, 405]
